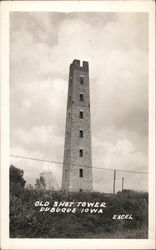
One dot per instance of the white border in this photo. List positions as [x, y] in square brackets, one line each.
[64, 6]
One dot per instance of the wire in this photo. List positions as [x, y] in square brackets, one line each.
[57, 162]
[35, 159]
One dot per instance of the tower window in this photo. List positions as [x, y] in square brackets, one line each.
[81, 152]
[81, 114]
[81, 172]
[81, 133]
[81, 79]
[81, 97]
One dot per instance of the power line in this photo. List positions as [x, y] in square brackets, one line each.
[35, 159]
[57, 162]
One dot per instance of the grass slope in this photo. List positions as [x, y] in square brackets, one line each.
[27, 222]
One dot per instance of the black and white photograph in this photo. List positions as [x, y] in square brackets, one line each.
[79, 128]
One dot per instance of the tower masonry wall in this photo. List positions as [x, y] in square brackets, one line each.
[73, 161]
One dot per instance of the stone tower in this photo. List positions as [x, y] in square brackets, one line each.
[77, 163]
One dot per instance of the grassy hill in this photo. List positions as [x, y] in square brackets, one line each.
[26, 220]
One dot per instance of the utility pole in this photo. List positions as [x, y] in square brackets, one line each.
[122, 183]
[114, 181]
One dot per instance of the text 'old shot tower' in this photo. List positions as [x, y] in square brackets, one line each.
[77, 163]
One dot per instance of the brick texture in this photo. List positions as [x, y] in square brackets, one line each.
[72, 163]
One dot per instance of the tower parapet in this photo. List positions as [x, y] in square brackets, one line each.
[76, 64]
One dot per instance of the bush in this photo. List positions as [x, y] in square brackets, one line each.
[27, 222]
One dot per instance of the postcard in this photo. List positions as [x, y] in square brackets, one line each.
[77, 85]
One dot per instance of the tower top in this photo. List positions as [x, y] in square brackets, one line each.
[76, 64]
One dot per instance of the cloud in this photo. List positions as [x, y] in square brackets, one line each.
[42, 45]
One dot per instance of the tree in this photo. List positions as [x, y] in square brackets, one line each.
[50, 180]
[29, 186]
[17, 181]
[40, 183]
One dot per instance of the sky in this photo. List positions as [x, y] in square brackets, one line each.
[42, 46]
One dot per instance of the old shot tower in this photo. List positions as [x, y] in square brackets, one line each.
[77, 164]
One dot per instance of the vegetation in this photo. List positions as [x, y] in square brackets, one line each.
[26, 220]
[40, 183]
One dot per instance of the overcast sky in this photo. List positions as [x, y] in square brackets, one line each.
[42, 46]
